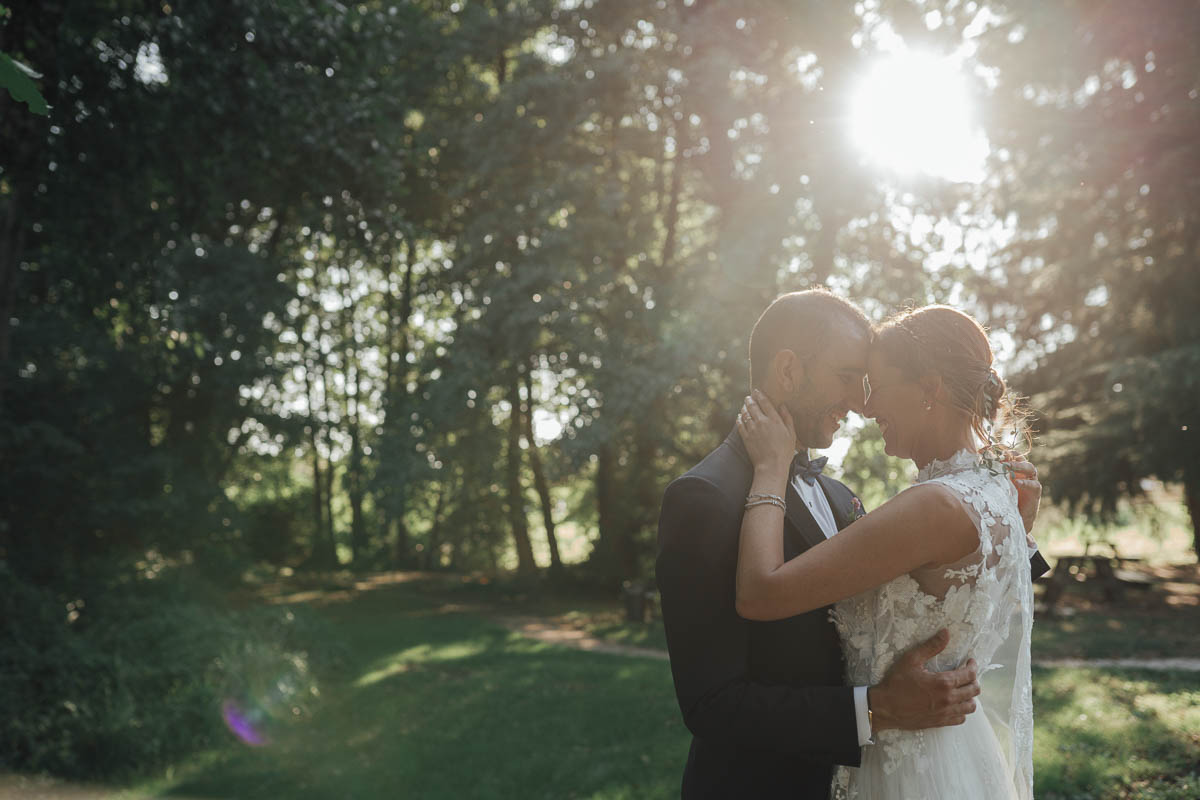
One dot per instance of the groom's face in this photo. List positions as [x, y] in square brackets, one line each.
[828, 385]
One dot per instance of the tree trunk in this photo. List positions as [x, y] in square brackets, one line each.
[354, 467]
[616, 555]
[493, 559]
[518, 522]
[539, 479]
[12, 237]
[671, 224]
[329, 470]
[402, 549]
[432, 558]
[354, 488]
[645, 488]
[1191, 497]
[394, 498]
[323, 555]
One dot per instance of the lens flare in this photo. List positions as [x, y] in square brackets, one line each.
[246, 725]
[265, 692]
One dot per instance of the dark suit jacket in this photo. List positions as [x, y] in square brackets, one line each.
[765, 701]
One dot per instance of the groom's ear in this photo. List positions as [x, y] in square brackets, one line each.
[788, 370]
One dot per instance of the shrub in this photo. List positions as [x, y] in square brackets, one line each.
[139, 675]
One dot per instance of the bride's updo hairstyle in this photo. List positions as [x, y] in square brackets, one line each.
[943, 341]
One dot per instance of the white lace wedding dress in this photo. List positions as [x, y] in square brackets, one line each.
[986, 602]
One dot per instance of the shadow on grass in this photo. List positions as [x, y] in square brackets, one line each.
[1105, 633]
[436, 704]
[1115, 734]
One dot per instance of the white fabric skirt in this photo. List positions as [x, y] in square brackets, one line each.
[963, 761]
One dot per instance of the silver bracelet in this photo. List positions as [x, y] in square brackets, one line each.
[770, 501]
[756, 496]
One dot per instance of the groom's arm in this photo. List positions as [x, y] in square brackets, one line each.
[709, 642]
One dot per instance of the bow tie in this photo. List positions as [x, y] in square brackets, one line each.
[807, 470]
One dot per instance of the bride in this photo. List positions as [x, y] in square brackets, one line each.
[948, 552]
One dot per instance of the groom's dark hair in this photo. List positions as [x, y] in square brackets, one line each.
[799, 321]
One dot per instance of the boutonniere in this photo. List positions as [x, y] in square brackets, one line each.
[856, 509]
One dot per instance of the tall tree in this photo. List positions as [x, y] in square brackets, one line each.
[1094, 127]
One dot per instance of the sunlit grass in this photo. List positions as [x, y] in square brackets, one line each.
[433, 704]
[611, 627]
[450, 705]
[1116, 734]
[401, 662]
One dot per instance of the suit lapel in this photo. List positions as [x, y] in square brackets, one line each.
[802, 520]
[841, 501]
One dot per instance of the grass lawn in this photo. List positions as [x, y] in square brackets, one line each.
[1119, 633]
[1109, 734]
[432, 701]
[451, 705]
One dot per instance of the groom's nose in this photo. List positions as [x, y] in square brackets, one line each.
[856, 401]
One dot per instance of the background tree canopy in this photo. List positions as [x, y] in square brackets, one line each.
[465, 284]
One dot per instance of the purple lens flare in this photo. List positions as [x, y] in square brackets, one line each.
[243, 724]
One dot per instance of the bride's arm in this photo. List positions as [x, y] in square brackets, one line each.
[922, 525]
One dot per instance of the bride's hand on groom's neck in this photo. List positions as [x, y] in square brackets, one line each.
[910, 697]
[768, 434]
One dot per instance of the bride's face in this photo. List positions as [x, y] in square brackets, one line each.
[897, 404]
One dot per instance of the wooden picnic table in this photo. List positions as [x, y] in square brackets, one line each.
[1107, 570]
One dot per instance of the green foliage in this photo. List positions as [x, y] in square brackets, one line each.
[17, 79]
[1092, 115]
[279, 530]
[135, 676]
[874, 476]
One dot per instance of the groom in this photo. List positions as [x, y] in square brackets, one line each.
[765, 701]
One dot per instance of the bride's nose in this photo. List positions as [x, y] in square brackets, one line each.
[856, 400]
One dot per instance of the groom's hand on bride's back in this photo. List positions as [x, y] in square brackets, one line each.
[910, 697]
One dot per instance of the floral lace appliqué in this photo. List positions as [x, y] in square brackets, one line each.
[986, 602]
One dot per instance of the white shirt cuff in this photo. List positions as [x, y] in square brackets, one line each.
[860, 716]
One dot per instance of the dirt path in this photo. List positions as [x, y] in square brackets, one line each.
[22, 787]
[17, 786]
[554, 632]
[1182, 664]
